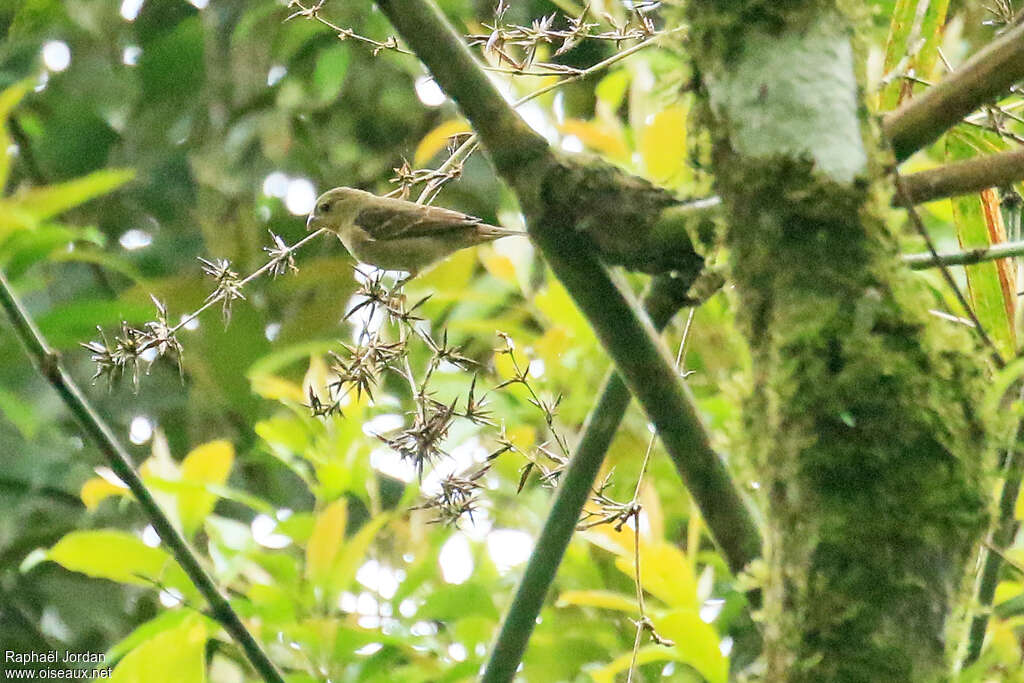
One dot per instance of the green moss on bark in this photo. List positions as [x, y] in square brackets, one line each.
[863, 419]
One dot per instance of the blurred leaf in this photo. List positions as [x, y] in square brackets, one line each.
[209, 463]
[68, 325]
[437, 139]
[110, 262]
[119, 556]
[97, 489]
[450, 277]
[171, 66]
[19, 413]
[599, 136]
[611, 89]
[278, 359]
[27, 209]
[598, 598]
[9, 99]
[646, 655]
[24, 248]
[326, 541]
[665, 573]
[147, 630]
[175, 655]
[346, 566]
[329, 73]
[75, 140]
[559, 309]
[696, 643]
[278, 389]
[451, 603]
[35, 16]
[663, 144]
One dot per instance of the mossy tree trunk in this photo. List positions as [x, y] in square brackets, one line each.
[862, 421]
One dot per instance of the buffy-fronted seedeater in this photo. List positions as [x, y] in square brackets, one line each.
[395, 234]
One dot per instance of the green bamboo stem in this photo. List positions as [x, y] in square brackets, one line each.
[49, 366]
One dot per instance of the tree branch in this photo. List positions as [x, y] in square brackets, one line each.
[661, 303]
[564, 234]
[966, 177]
[50, 368]
[985, 76]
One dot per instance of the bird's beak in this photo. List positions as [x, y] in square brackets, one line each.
[311, 222]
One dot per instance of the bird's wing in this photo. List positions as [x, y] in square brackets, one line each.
[392, 219]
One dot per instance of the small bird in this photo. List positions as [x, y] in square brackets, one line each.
[395, 234]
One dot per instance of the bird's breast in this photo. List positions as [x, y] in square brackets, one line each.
[411, 255]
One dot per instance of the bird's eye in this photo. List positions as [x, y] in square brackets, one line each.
[325, 207]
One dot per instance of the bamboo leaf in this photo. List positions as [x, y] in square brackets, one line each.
[991, 302]
[912, 47]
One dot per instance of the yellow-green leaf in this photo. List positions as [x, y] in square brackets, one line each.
[209, 463]
[12, 96]
[177, 655]
[663, 144]
[326, 540]
[436, 140]
[118, 556]
[665, 573]
[611, 89]
[345, 567]
[98, 489]
[600, 136]
[596, 598]
[9, 99]
[646, 655]
[696, 643]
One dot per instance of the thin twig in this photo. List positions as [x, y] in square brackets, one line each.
[642, 621]
[266, 267]
[49, 366]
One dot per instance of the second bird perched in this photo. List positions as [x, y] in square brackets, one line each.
[395, 234]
